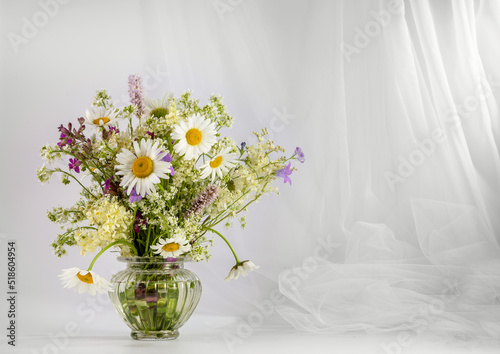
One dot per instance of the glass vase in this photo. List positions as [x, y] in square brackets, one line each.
[154, 296]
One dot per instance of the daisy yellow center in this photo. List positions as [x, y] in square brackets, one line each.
[170, 247]
[193, 136]
[142, 167]
[101, 121]
[216, 162]
[159, 112]
[87, 278]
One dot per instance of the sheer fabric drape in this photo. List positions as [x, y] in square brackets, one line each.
[396, 106]
[417, 167]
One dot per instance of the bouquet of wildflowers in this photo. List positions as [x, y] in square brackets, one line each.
[156, 178]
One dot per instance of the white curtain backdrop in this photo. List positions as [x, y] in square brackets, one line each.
[390, 224]
[415, 159]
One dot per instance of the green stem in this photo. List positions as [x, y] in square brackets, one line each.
[86, 165]
[147, 239]
[76, 179]
[111, 245]
[87, 227]
[169, 143]
[239, 211]
[222, 212]
[278, 162]
[227, 242]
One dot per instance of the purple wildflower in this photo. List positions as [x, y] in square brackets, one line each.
[110, 188]
[285, 172]
[64, 141]
[70, 135]
[87, 146]
[299, 155]
[65, 131]
[136, 93]
[134, 197]
[243, 144]
[106, 186]
[74, 164]
[168, 158]
[138, 222]
[106, 134]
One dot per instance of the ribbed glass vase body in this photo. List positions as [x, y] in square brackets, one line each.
[154, 297]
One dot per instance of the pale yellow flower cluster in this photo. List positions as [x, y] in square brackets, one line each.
[226, 202]
[119, 141]
[111, 221]
[185, 171]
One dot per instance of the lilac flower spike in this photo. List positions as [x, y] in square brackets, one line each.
[203, 200]
[136, 92]
[285, 172]
[134, 197]
[299, 155]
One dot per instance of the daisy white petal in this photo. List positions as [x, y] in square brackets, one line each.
[242, 268]
[171, 247]
[195, 137]
[142, 168]
[222, 162]
[84, 281]
[100, 116]
[158, 107]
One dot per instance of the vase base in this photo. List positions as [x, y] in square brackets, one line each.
[155, 335]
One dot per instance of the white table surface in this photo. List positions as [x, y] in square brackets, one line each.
[211, 334]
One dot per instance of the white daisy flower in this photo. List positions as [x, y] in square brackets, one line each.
[84, 281]
[158, 107]
[100, 116]
[196, 136]
[171, 247]
[222, 162]
[142, 168]
[241, 269]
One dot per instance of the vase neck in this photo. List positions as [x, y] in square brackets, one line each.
[152, 263]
